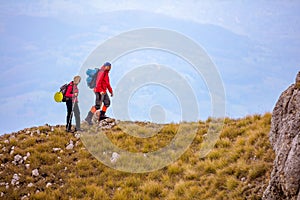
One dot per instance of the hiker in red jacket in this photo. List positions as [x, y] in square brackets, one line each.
[102, 85]
[72, 104]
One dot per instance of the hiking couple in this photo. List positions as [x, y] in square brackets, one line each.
[100, 90]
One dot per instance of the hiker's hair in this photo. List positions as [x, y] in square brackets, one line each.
[76, 79]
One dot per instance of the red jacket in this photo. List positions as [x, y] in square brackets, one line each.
[71, 90]
[102, 82]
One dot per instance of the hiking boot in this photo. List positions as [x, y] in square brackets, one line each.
[89, 122]
[68, 130]
[88, 118]
[78, 130]
[102, 115]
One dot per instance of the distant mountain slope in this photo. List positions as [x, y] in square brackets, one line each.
[48, 163]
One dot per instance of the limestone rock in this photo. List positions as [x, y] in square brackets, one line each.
[12, 149]
[18, 159]
[77, 135]
[107, 123]
[15, 179]
[70, 145]
[30, 185]
[25, 197]
[48, 185]
[114, 157]
[56, 149]
[285, 140]
[35, 172]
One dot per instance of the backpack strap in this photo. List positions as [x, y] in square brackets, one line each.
[71, 86]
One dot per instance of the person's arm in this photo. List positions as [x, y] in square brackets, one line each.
[109, 87]
[100, 77]
[69, 92]
[75, 91]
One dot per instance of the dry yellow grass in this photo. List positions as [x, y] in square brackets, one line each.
[238, 167]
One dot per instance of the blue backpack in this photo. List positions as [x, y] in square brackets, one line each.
[92, 77]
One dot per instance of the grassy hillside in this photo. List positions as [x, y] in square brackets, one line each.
[237, 168]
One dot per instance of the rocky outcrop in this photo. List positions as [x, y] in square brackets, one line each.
[285, 140]
[107, 123]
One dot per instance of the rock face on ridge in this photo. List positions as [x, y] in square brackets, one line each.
[285, 140]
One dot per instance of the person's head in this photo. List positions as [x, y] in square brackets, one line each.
[107, 66]
[76, 80]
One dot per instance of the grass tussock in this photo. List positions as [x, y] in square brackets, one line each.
[238, 167]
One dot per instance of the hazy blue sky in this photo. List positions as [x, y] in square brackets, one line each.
[255, 46]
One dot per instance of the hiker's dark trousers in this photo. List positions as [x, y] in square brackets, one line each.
[105, 98]
[72, 107]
